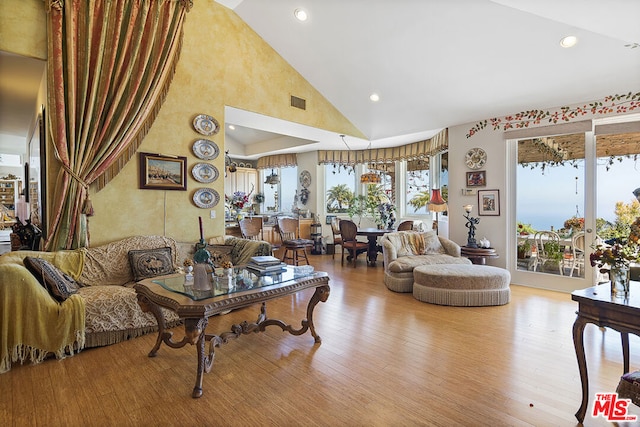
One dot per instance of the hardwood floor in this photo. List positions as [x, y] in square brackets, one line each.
[385, 359]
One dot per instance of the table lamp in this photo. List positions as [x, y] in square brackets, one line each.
[471, 225]
[437, 204]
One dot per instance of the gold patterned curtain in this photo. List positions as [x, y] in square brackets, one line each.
[110, 64]
[416, 153]
[277, 161]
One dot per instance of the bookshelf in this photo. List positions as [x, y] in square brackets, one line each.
[9, 192]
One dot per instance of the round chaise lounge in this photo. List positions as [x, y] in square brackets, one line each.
[461, 285]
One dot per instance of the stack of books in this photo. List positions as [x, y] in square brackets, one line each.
[268, 264]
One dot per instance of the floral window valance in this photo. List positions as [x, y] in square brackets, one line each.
[418, 153]
[277, 161]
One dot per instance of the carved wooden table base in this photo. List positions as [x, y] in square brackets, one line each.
[597, 306]
[195, 327]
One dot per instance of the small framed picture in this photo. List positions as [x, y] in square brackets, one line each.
[489, 202]
[161, 172]
[476, 179]
[329, 219]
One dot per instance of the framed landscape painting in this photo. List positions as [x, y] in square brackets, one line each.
[161, 172]
[489, 202]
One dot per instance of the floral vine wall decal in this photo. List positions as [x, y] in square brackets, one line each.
[610, 104]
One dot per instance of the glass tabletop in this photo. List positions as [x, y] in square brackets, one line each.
[241, 279]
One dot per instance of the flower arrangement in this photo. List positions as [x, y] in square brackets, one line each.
[622, 253]
[574, 224]
[525, 229]
[387, 214]
[238, 200]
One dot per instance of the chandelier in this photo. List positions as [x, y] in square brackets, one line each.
[229, 165]
[370, 178]
[272, 179]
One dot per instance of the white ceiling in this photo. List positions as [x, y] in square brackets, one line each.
[434, 63]
[438, 63]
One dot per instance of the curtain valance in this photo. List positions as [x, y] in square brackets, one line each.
[418, 151]
[277, 161]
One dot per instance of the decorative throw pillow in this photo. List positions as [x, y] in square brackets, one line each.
[59, 285]
[146, 263]
[432, 244]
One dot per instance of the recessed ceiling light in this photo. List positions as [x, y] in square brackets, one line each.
[300, 15]
[232, 127]
[568, 41]
[374, 97]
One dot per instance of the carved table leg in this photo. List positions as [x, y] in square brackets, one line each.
[625, 350]
[578, 343]
[372, 252]
[148, 306]
[321, 294]
[197, 389]
[195, 334]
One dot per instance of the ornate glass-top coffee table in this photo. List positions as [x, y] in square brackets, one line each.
[195, 308]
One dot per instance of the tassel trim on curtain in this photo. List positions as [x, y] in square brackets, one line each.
[132, 148]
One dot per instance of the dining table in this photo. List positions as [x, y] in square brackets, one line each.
[372, 235]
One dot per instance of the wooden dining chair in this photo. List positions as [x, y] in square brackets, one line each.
[349, 232]
[337, 237]
[295, 248]
[251, 228]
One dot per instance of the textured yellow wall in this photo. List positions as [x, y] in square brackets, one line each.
[23, 28]
[223, 62]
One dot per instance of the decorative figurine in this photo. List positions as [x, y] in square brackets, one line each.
[471, 225]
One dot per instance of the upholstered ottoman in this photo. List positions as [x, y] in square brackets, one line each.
[461, 284]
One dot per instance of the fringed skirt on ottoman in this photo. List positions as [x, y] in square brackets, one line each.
[461, 285]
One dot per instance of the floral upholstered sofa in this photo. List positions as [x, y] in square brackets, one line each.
[405, 250]
[100, 307]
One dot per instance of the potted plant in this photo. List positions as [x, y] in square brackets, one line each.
[524, 248]
[554, 255]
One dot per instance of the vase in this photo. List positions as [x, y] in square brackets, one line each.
[619, 277]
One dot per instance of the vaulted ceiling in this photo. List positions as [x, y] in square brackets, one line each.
[436, 63]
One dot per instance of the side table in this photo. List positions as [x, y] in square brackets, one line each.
[478, 255]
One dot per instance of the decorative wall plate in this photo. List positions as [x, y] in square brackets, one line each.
[305, 179]
[206, 198]
[204, 172]
[205, 149]
[206, 125]
[475, 158]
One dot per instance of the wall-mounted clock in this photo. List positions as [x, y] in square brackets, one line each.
[475, 158]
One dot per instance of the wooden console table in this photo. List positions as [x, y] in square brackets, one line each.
[195, 308]
[478, 255]
[597, 306]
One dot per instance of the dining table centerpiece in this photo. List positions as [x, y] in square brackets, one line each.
[616, 259]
